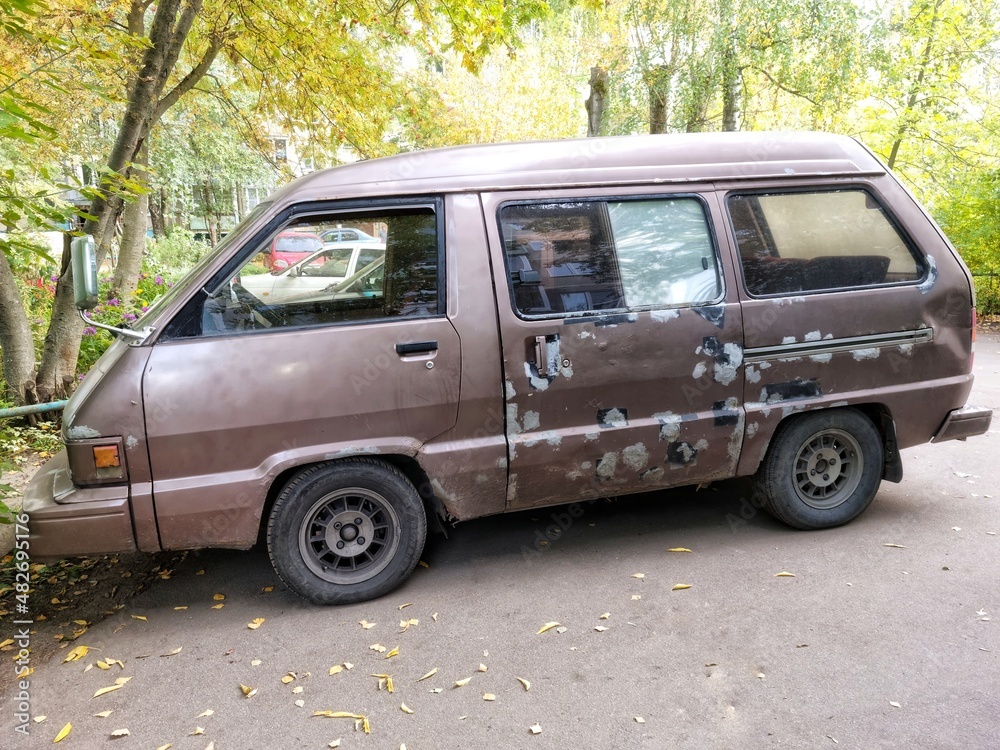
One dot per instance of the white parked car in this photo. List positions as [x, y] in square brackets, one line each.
[317, 271]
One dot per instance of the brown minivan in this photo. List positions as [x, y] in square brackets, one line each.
[548, 322]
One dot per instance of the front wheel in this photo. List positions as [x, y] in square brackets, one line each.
[346, 532]
[822, 469]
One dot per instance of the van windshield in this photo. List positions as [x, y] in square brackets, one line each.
[198, 267]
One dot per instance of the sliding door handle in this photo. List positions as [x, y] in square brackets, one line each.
[416, 347]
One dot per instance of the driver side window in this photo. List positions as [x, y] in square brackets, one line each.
[303, 276]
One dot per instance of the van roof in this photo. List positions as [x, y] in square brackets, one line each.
[649, 159]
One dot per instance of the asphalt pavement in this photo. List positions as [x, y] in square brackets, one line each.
[884, 636]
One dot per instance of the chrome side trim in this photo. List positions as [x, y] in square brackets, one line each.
[827, 346]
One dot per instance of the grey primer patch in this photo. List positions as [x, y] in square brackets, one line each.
[636, 457]
[716, 315]
[752, 375]
[728, 358]
[662, 316]
[651, 475]
[726, 412]
[932, 273]
[670, 425]
[607, 418]
[509, 391]
[871, 353]
[531, 420]
[681, 454]
[82, 432]
[752, 429]
[537, 381]
[795, 389]
[131, 442]
[606, 466]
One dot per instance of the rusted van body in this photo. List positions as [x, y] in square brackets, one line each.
[551, 322]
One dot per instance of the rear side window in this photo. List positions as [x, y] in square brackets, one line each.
[804, 242]
[392, 279]
[597, 256]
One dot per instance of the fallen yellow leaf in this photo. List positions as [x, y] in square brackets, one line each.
[109, 689]
[255, 623]
[897, 546]
[678, 549]
[248, 691]
[288, 678]
[336, 669]
[63, 733]
[346, 715]
[206, 712]
[103, 714]
[394, 652]
[76, 654]
[218, 597]
[377, 647]
[784, 574]
[463, 683]
[404, 606]
[197, 731]
[429, 674]
[638, 575]
[297, 690]
[605, 616]
[489, 697]
[267, 589]
[535, 728]
[140, 617]
[527, 685]
[366, 625]
[218, 606]
[39, 719]
[102, 665]
[120, 733]
[547, 626]
[482, 668]
[636, 597]
[174, 652]
[681, 586]
[179, 609]
[405, 709]
[166, 747]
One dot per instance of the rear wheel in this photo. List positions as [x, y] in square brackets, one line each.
[346, 532]
[822, 469]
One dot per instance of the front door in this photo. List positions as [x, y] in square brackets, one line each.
[622, 343]
[246, 387]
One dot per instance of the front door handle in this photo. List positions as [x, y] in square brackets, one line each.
[541, 357]
[416, 347]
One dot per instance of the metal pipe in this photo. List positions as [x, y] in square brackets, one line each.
[21, 411]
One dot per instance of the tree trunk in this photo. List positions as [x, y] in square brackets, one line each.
[16, 342]
[730, 69]
[157, 211]
[62, 341]
[133, 243]
[596, 101]
[658, 84]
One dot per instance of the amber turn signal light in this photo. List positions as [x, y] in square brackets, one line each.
[106, 456]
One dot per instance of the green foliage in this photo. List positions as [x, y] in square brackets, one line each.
[172, 255]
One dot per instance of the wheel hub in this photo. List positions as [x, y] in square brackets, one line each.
[824, 467]
[827, 469]
[349, 534]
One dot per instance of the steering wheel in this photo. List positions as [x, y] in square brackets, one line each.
[254, 305]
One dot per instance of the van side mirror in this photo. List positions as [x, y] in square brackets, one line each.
[83, 258]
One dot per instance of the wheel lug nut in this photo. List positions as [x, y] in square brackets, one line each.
[357, 521]
[337, 525]
[361, 540]
[826, 477]
[340, 545]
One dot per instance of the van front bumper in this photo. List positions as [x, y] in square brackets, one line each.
[963, 423]
[65, 521]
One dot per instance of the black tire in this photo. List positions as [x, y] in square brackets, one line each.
[368, 508]
[821, 470]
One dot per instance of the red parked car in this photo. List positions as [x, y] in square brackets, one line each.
[289, 248]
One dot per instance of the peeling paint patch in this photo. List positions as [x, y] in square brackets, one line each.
[607, 465]
[728, 358]
[608, 418]
[726, 412]
[585, 335]
[549, 436]
[536, 380]
[566, 372]
[788, 300]
[751, 374]
[482, 479]
[788, 340]
[795, 389]
[764, 365]
[131, 442]
[586, 465]
[681, 454]
[353, 450]
[715, 314]
[662, 316]
[513, 428]
[699, 369]
[812, 336]
[531, 420]
[862, 354]
[736, 440]
[752, 429]
[509, 391]
[654, 474]
[932, 273]
[906, 348]
[591, 436]
[82, 432]
[821, 358]
[670, 425]
[636, 457]
[440, 491]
